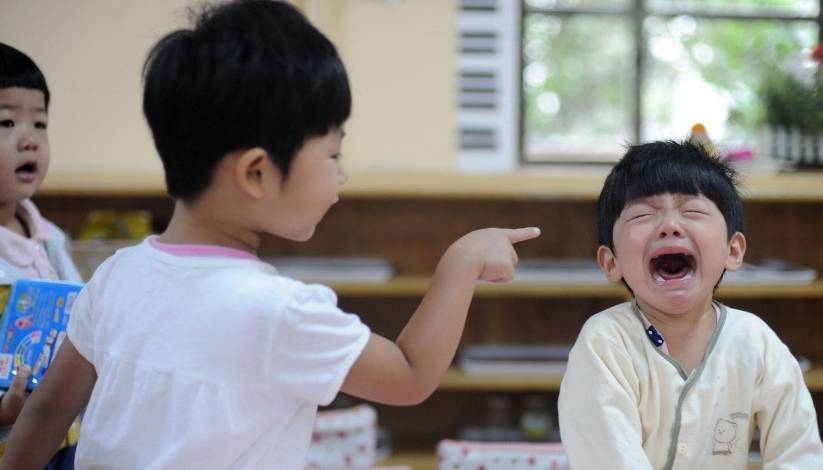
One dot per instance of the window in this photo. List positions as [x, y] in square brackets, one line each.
[597, 74]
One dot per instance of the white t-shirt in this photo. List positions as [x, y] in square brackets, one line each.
[206, 362]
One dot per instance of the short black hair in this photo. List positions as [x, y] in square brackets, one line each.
[251, 73]
[17, 70]
[668, 167]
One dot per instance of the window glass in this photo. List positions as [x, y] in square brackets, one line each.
[577, 85]
[709, 71]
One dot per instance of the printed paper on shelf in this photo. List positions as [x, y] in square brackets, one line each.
[333, 269]
[514, 359]
[34, 321]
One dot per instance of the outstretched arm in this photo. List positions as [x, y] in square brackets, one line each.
[50, 410]
[407, 371]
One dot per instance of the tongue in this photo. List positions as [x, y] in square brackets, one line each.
[672, 268]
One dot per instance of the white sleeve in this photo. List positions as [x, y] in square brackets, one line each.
[80, 326]
[598, 413]
[316, 345]
[784, 411]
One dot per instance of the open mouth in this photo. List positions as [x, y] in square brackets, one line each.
[672, 266]
[26, 169]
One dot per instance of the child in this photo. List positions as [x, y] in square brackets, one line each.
[674, 379]
[30, 246]
[190, 351]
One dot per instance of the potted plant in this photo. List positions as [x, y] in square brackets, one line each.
[792, 99]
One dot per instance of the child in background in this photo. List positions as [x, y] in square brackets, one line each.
[674, 379]
[30, 246]
[190, 351]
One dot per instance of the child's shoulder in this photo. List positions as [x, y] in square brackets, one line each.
[615, 326]
[620, 316]
[748, 326]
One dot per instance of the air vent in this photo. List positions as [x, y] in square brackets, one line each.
[488, 85]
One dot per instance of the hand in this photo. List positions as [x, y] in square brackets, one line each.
[12, 402]
[492, 251]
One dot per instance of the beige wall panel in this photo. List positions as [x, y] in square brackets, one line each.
[400, 57]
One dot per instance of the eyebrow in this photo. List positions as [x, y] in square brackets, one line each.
[14, 107]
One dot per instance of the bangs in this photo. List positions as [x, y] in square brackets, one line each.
[654, 177]
[17, 70]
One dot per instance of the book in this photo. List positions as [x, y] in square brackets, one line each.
[514, 359]
[770, 271]
[333, 269]
[560, 271]
[34, 318]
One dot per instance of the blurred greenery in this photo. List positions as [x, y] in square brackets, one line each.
[578, 71]
[792, 104]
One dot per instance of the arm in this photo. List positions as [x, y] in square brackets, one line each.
[407, 371]
[600, 424]
[50, 410]
[784, 412]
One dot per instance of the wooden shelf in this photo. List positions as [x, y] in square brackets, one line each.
[404, 286]
[416, 460]
[428, 461]
[456, 380]
[550, 183]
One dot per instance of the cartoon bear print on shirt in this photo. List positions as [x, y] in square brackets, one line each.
[726, 436]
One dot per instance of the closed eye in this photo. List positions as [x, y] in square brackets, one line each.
[337, 156]
[639, 216]
[695, 212]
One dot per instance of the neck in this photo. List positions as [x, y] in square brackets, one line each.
[8, 219]
[189, 225]
[681, 325]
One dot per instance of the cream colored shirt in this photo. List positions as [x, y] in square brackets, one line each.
[624, 404]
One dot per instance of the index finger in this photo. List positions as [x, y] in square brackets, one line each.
[21, 378]
[516, 235]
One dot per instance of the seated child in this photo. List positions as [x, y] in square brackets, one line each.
[30, 245]
[189, 350]
[674, 379]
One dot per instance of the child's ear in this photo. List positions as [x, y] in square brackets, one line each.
[608, 264]
[737, 248]
[253, 169]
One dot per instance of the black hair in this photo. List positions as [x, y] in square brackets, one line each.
[248, 74]
[668, 167]
[17, 70]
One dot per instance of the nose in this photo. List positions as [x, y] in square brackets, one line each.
[28, 142]
[669, 227]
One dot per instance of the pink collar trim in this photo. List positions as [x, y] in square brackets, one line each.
[200, 250]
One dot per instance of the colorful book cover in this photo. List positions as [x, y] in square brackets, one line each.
[34, 320]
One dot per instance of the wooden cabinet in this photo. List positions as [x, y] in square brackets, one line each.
[410, 220]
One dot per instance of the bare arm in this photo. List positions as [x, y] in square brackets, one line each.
[50, 410]
[407, 371]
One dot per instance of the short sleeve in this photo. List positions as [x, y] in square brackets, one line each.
[317, 344]
[80, 325]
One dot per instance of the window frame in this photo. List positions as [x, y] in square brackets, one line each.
[637, 12]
